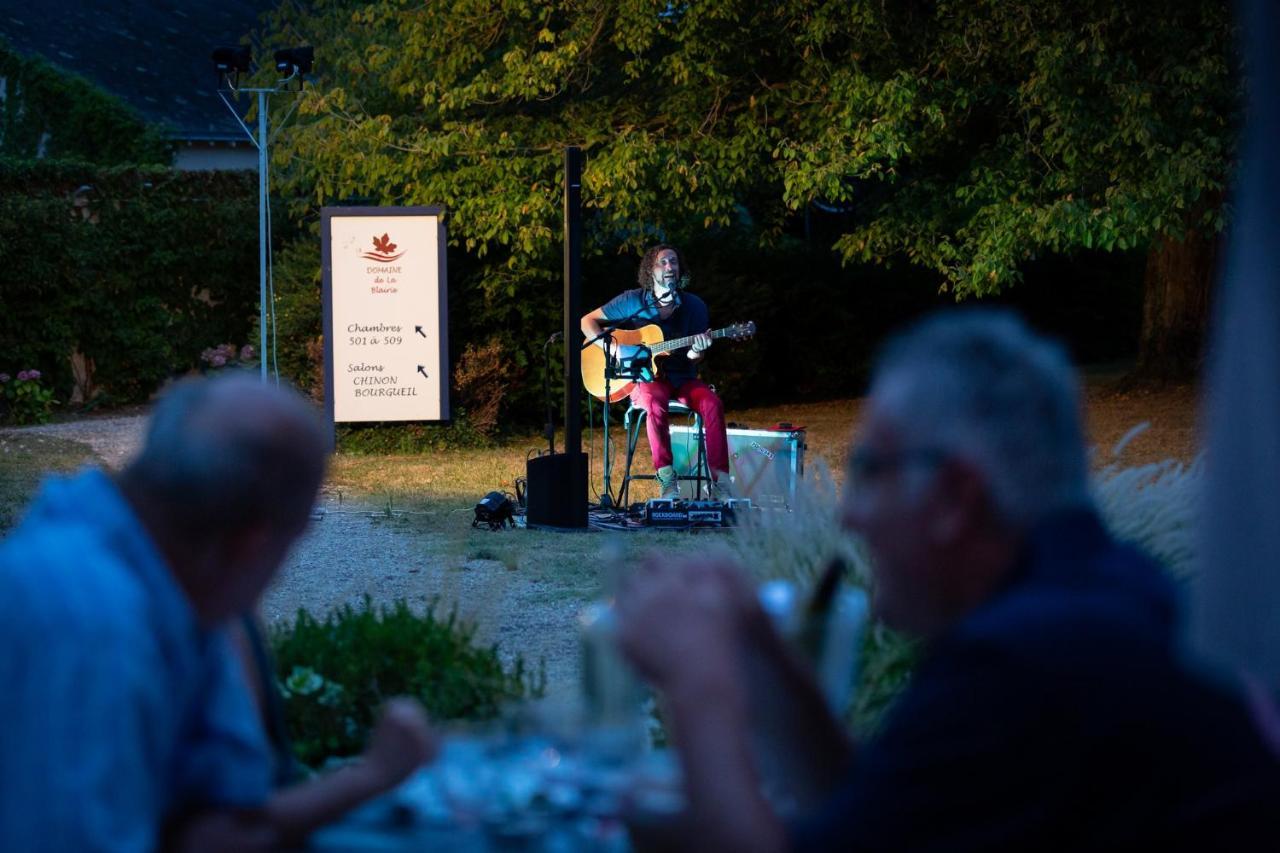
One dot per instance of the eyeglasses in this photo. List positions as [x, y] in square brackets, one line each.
[866, 464]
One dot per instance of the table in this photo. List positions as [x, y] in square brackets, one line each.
[528, 793]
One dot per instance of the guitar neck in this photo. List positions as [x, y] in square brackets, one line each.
[678, 343]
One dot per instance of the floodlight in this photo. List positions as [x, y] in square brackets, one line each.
[295, 60]
[231, 60]
[230, 63]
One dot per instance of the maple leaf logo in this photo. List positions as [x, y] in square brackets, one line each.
[384, 251]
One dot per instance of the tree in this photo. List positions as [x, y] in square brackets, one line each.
[964, 136]
[471, 103]
[972, 136]
[48, 112]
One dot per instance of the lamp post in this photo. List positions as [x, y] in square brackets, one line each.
[230, 63]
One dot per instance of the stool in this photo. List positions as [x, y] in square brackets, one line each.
[632, 422]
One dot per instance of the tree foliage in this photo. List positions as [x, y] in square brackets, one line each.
[974, 135]
[968, 134]
[47, 112]
[470, 104]
[966, 137]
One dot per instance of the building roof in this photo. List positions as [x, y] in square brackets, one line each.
[153, 54]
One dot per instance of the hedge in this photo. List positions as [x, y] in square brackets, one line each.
[137, 268]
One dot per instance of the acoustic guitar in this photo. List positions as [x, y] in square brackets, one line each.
[638, 353]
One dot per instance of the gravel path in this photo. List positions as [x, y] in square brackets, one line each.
[115, 439]
[354, 550]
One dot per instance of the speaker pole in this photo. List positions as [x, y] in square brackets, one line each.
[566, 501]
[572, 301]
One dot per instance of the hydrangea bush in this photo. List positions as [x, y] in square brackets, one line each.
[227, 355]
[25, 399]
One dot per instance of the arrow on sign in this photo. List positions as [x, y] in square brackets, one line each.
[418, 329]
[423, 371]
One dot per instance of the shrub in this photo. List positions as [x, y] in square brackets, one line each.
[483, 377]
[336, 674]
[228, 356]
[23, 399]
[313, 381]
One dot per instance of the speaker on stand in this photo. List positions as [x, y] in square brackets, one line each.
[557, 491]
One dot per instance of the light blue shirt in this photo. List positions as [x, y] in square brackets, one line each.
[116, 708]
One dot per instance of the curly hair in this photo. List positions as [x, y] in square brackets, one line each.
[644, 276]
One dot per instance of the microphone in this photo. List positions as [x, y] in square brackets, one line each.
[680, 283]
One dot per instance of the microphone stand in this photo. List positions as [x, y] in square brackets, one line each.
[549, 428]
[611, 371]
[606, 335]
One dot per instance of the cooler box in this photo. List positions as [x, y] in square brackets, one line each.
[766, 464]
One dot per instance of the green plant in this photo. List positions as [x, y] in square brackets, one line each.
[298, 351]
[885, 663]
[27, 401]
[336, 673]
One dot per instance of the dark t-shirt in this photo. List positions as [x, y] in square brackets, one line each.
[690, 318]
[1058, 716]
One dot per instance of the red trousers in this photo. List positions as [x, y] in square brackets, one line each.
[654, 396]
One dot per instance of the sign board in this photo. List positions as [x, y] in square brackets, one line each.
[386, 316]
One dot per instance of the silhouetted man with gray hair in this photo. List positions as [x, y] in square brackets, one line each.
[1050, 708]
[127, 721]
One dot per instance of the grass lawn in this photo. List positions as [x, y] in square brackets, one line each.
[24, 460]
[448, 484]
[457, 479]
[434, 494]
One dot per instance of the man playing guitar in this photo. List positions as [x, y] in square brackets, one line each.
[661, 299]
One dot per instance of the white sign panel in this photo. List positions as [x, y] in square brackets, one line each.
[386, 314]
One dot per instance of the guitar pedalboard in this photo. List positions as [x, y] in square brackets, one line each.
[666, 512]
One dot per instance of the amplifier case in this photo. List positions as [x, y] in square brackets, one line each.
[765, 464]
